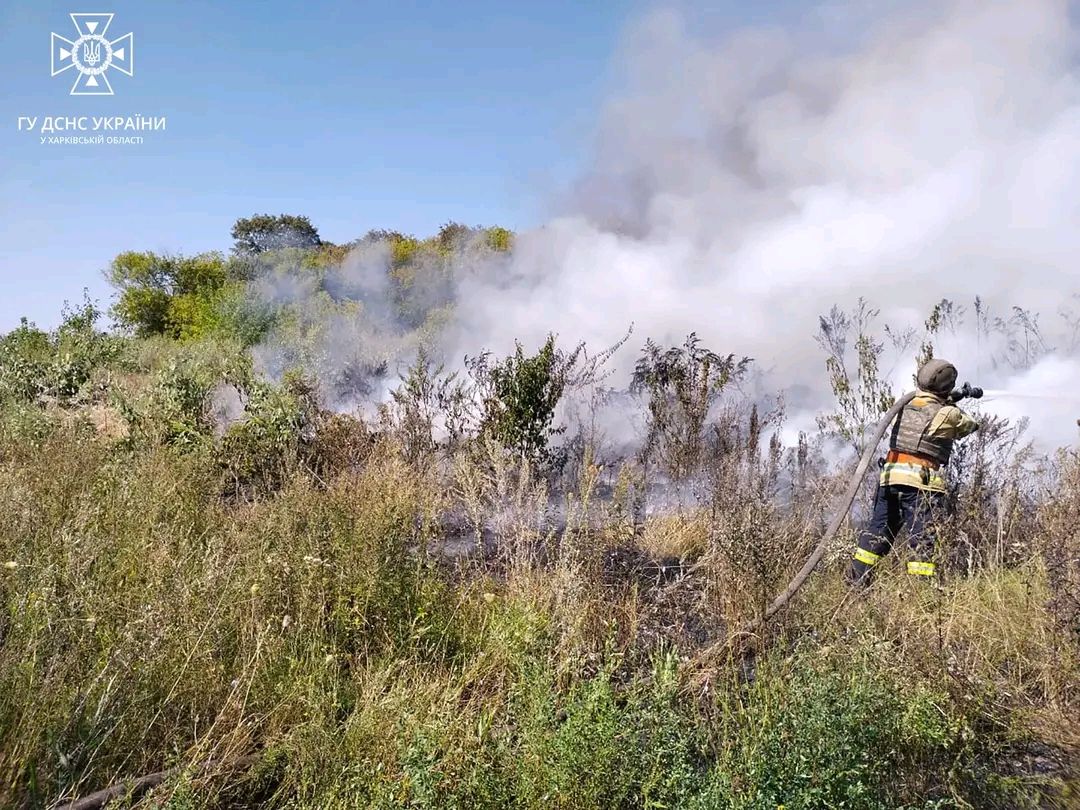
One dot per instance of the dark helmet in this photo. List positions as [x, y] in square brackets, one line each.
[937, 377]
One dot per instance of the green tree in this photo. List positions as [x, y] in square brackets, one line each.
[165, 295]
[499, 239]
[263, 232]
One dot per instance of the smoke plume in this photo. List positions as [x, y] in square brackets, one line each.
[743, 186]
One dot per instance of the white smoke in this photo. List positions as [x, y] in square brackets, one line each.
[1047, 394]
[742, 186]
[340, 323]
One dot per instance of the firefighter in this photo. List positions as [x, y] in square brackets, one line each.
[911, 490]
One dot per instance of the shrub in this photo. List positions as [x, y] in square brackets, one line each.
[681, 384]
[862, 396]
[259, 452]
[36, 365]
[519, 395]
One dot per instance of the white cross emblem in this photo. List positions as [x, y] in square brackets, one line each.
[92, 55]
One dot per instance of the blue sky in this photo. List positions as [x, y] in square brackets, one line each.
[358, 114]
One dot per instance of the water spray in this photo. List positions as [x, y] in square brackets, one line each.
[996, 393]
[1004, 393]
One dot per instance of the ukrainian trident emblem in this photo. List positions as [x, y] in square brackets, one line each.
[92, 55]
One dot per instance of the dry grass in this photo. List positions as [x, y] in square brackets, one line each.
[146, 622]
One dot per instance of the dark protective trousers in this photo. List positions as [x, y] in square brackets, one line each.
[896, 509]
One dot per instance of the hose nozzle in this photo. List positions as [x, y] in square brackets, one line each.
[967, 390]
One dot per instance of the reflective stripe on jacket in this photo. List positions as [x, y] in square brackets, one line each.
[905, 468]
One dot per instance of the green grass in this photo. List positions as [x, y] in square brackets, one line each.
[171, 596]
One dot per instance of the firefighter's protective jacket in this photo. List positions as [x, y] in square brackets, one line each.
[922, 441]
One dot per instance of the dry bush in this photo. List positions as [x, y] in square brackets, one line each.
[683, 535]
[1059, 545]
[506, 506]
[755, 541]
[146, 621]
[681, 386]
[996, 485]
[340, 443]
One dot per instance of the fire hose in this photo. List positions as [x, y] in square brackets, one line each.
[852, 490]
[136, 787]
[133, 789]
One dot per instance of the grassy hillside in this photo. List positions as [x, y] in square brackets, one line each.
[449, 602]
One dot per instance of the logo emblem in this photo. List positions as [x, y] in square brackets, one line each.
[93, 55]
